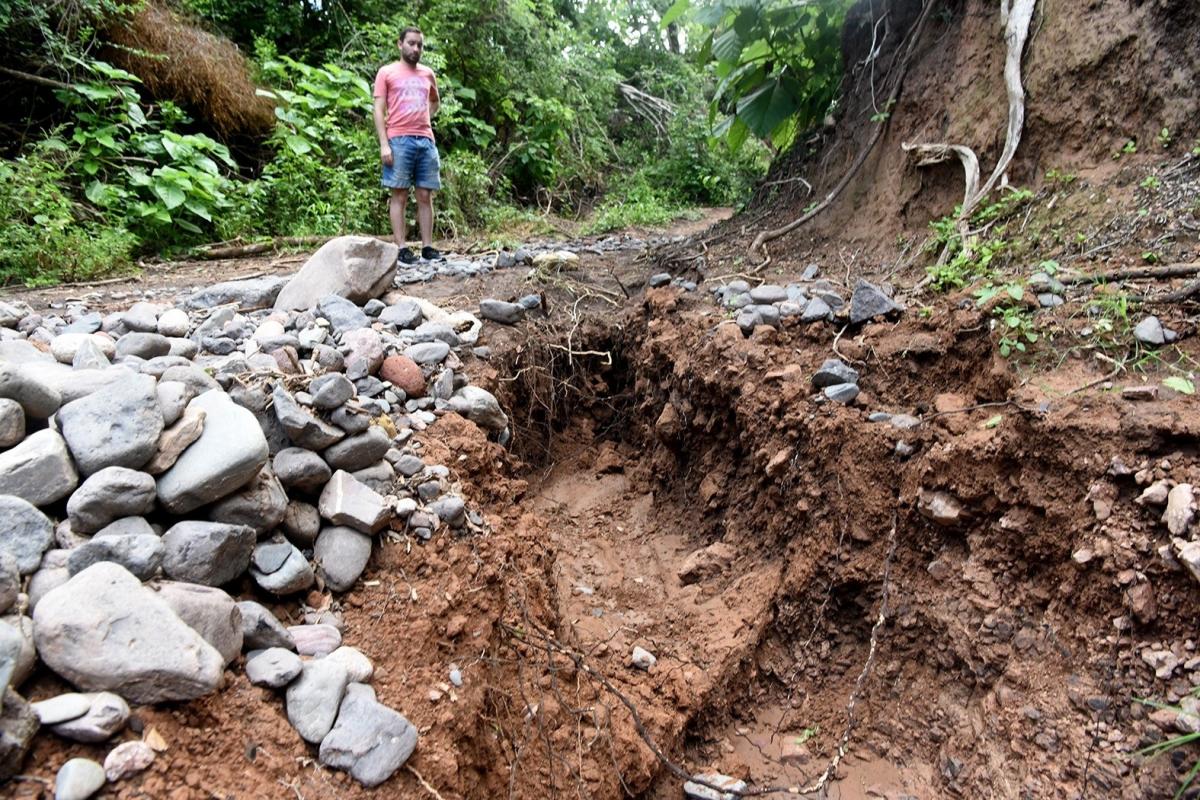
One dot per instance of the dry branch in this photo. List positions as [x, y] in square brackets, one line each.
[1016, 24]
[913, 37]
[1167, 271]
[244, 250]
[655, 110]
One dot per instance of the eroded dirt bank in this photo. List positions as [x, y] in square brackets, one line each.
[677, 486]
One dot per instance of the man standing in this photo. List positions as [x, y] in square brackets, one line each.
[406, 96]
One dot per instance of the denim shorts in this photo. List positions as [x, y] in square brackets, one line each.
[415, 162]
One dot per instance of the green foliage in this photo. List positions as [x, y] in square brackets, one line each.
[1151, 183]
[1173, 743]
[1061, 177]
[1180, 384]
[1015, 320]
[969, 261]
[779, 64]
[1164, 138]
[160, 184]
[638, 204]
[326, 165]
[690, 169]
[1127, 149]
[47, 237]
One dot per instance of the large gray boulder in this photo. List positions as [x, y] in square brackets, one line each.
[341, 554]
[313, 699]
[261, 629]
[481, 407]
[25, 385]
[355, 267]
[347, 501]
[228, 454]
[358, 452]
[25, 533]
[117, 427]
[260, 505]
[39, 469]
[280, 568]
[369, 740]
[110, 494]
[302, 469]
[208, 553]
[252, 293]
[140, 553]
[18, 724]
[12, 423]
[303, 428]
[342, 314]
[104, 631]
[210, 612]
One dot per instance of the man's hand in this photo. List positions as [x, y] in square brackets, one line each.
[385, 154]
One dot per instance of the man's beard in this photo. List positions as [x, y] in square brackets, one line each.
[411, 58]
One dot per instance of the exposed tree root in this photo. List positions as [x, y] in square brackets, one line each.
[1016, 23]
[913, 37]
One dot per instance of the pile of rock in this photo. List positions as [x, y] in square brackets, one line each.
[456, 266]
[153, 455]
[809, 300]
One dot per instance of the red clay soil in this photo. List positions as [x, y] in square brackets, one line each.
[998, 670]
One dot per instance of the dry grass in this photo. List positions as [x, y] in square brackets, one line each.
[206, 73]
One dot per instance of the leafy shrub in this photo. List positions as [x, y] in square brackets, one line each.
[639, 204]
[46, 237]
[324, 176]
[163, 185]
[468, 192]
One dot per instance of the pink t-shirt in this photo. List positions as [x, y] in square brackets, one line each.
[408, 91]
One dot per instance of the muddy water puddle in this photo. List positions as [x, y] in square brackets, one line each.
[778, 749]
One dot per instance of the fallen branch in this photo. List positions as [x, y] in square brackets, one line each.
[913, 37]
[655, 110]
[38, 79]
[1177, 296]
[1167, 271]
[243, 250]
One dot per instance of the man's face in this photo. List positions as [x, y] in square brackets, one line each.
[411, 46]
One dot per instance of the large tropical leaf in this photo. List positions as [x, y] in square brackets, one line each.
[768, 106]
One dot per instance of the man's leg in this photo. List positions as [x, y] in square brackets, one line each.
[397, 205]
[425, 215]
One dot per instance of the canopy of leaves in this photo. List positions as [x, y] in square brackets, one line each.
[779, 63]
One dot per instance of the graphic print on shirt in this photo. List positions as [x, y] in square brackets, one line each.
[413, 94]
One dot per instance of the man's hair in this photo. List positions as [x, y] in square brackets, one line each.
[404, 33]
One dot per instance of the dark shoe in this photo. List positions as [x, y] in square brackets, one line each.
[407, 256]
[429, 254]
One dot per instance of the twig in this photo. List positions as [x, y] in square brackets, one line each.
[1117, 370]
[1175, 296]
[424, 783]
[914, 35]
[243, 250]
[38, 79]
[1168, 271]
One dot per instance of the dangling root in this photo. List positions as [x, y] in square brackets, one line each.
[913, 37]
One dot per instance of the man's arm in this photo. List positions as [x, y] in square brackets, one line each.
[435, 99]
[385, 149]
